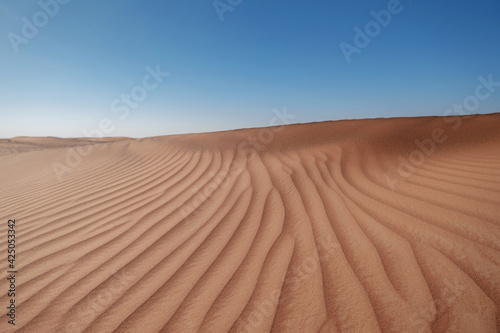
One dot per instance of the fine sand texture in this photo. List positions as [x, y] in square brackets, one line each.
[378, 225]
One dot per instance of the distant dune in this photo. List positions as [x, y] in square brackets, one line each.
[379, 225]
[25, 144]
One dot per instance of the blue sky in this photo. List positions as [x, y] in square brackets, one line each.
[63, 79]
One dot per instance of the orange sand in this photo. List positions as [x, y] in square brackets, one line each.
[348, 226]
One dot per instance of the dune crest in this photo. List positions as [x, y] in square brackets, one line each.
[383, 225]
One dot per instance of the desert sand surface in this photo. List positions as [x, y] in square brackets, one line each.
[25, 144]
[377, 225]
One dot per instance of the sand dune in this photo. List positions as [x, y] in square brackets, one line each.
[25, 144]
[386, 225]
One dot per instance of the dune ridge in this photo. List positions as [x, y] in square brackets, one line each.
[378, 225]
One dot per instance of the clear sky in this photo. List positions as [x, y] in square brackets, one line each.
[230, 63]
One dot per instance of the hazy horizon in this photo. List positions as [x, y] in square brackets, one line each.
[222, 130]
